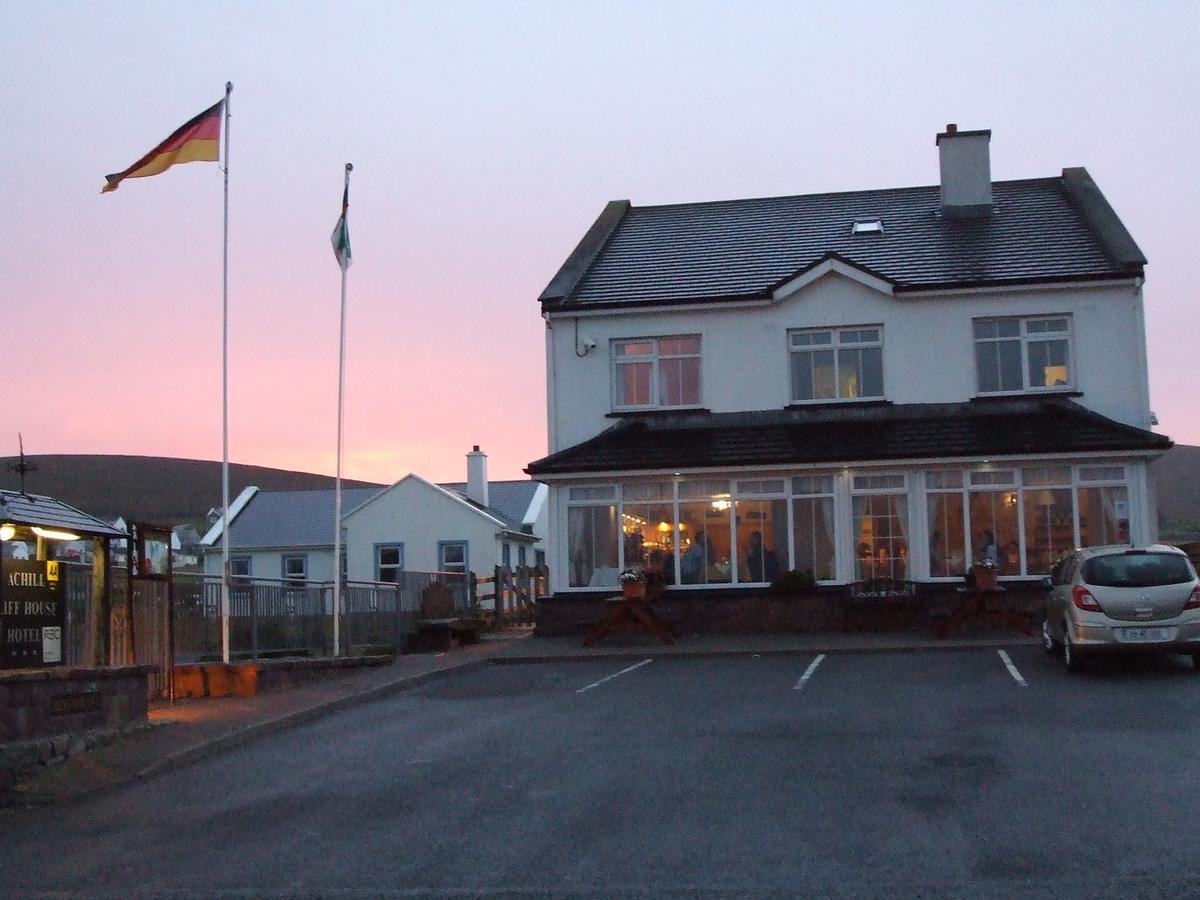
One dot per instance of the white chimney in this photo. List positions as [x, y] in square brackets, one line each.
[477, 483]
[966, 172]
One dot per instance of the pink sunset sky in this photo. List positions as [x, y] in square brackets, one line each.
[486, 137]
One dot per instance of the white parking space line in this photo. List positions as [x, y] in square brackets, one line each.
[1012, 670]
[614, 675]
[808, 673]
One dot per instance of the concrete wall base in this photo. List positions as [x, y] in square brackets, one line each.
[758, 613]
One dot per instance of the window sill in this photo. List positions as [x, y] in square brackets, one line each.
[838, 404]
[656, 411]
[1013, 395]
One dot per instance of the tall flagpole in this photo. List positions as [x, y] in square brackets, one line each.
[225, 402]
[337, 493]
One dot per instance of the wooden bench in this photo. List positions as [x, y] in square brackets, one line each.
[878, 598]
[440, 625]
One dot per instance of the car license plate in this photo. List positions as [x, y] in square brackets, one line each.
[1144, 635]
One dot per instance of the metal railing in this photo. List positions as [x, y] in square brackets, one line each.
[267, 617]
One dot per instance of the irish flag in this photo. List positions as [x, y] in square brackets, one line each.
[197, 140]
[341, 231]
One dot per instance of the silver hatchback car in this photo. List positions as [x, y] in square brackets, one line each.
[1144, 599]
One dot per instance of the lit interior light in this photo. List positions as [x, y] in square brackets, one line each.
[7, 531]
[51, 534]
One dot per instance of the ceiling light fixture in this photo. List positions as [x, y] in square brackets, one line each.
[52, 534]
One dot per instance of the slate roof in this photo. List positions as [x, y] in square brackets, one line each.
[507, 500]
[305, 518]
[839, 435]
[35, 509]
[292, 518]
[1042, 229]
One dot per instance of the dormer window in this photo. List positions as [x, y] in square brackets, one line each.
[649, 373]
[867, 226]
[837, 364]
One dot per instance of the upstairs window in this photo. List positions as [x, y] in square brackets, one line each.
[836, 364]
[1032, 354]
[656, 372]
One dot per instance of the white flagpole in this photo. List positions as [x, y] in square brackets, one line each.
[337, 493]
[225, 403]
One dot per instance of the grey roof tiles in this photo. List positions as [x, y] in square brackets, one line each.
[839, 435]
[305, 518]
[35, 509]
[1042, 229]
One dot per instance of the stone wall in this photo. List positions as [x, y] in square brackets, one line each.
[45, 702]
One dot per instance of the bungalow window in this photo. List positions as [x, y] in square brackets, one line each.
[813, 532]
[880, 506]
[836, 364]
[656, 372]
[592, 545]
[1018, 354]
[239, 568]
[295, 568]
[452, 556]
[389, 562]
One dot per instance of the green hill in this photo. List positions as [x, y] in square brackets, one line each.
[155, 489]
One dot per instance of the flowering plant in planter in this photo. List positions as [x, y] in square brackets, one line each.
[634, 575]
[633, 582]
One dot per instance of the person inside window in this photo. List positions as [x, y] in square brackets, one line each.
[991, 552]
[762, 564]
[693, 567]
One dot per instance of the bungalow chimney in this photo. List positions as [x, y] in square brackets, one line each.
[966, 172]
[477, 483]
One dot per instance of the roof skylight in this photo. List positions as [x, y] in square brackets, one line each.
[867, 226]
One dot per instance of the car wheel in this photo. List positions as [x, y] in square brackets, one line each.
[1049, 644]
[1071, 656]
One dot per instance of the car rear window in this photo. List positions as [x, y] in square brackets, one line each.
[1137, 570]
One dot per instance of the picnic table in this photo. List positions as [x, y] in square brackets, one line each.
[984, 603]
[629, 614]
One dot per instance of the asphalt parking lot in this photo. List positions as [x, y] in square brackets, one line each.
[971, 773]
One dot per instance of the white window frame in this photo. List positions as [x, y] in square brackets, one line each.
[590, 496]
[883, 490]
[654, 358]
[1024, 338]
[836, 345]
[285, 558]
[827, 492]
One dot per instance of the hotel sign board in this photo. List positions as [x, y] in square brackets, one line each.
[32, 614]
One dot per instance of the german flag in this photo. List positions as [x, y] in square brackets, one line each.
[197, 140]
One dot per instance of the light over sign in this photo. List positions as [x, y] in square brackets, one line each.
[32, 614]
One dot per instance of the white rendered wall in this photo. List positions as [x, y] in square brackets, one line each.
[417, 515]
[269, 563]
[928, 353]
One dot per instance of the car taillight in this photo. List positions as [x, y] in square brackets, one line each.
[1193, 602]
[1083, 598]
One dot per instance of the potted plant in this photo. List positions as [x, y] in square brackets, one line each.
[985, 572]
[633, 582]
